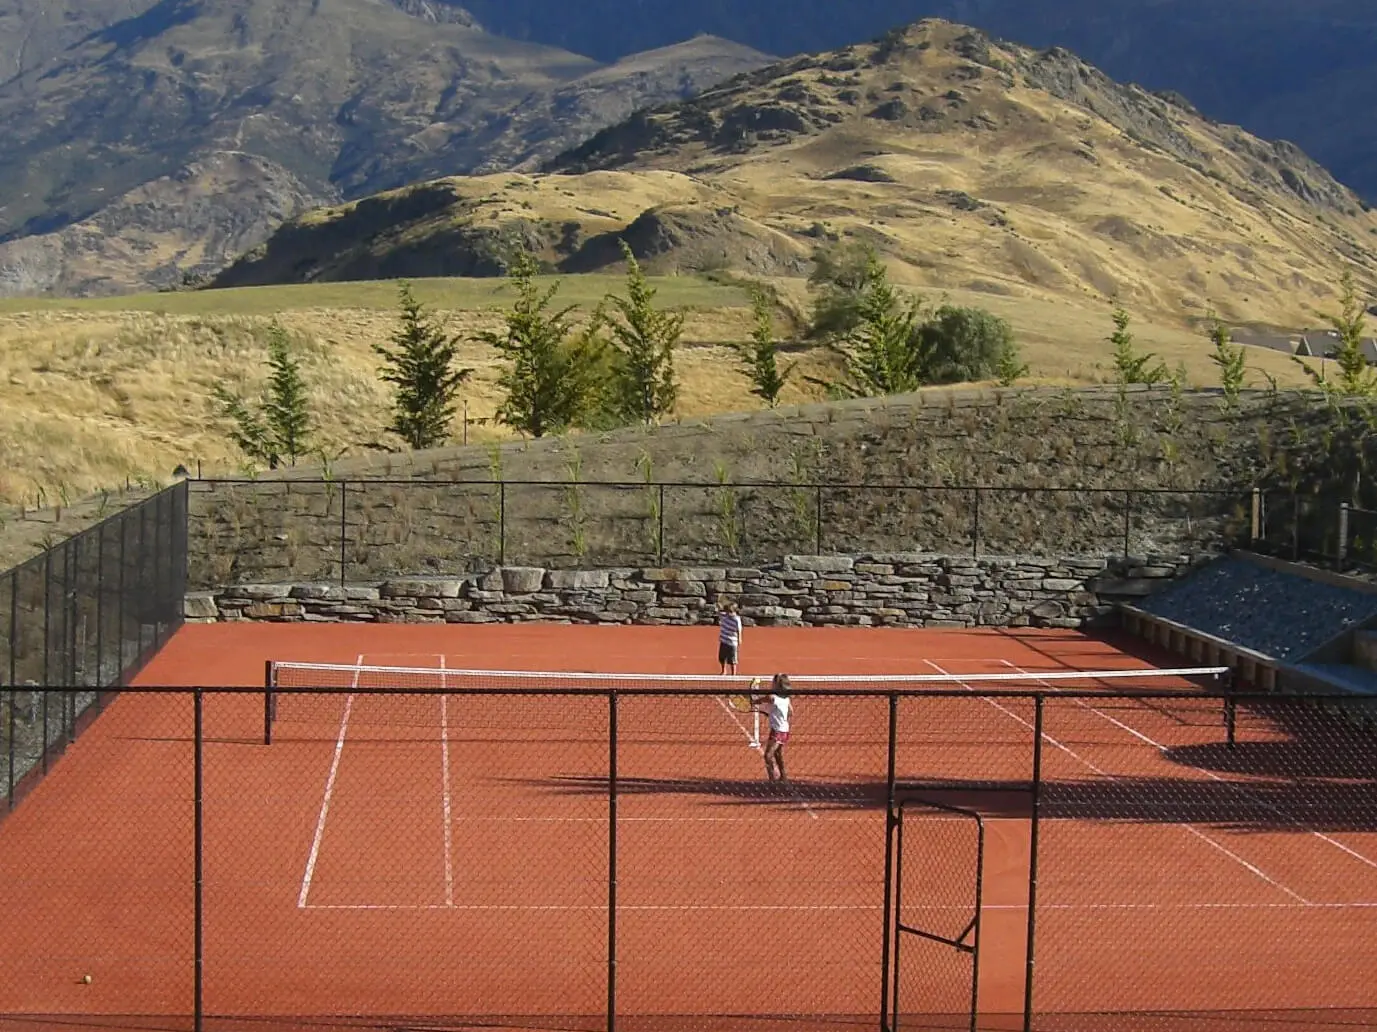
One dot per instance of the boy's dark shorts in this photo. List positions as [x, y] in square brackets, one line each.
[726, 653]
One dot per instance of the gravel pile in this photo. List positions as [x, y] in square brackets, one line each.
[1278, 614]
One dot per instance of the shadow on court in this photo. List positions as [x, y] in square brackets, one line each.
[1300, 806]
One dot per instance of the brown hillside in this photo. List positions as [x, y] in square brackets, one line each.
[974, 166]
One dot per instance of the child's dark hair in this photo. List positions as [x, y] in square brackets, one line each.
[781, 685]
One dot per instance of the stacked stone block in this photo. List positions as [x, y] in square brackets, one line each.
[869, 590]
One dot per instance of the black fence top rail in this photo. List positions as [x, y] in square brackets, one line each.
[830, 485]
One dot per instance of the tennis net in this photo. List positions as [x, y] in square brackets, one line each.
[312, 698]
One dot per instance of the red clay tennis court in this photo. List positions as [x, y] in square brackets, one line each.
[408, 853]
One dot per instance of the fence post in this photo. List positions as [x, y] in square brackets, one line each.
[198, 830]
[158, 598]
[1343, 531]
[343, 529]
[66, 661]
[143, 576]
[660, 531]
[100, 611]
[1257, 514]
[502, 523]
[1128, 523]
[817, 519]
[1295, 525]
[1039, 703]
[975, 523]
[47, 645]
[119, 608]
[14, 627]
[13, 681]
[889, 861]
[611, 861]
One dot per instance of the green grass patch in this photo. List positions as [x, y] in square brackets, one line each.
[476, 294]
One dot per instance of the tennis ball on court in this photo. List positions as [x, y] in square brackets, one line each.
[86, 979]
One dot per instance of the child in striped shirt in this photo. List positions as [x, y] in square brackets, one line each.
[728, 638]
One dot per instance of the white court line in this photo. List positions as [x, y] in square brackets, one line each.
[1300, 825]
[329, 791]
[962, 908]
[444, 774]
[1190, 829]
[737, 720]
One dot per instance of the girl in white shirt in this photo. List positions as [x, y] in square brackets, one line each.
[776, 706]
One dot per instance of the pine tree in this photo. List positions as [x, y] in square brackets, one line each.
[280, 425]
[883, 353]
[420, 364]
[645, 387]
[1129, 365]
[760, 355]
[554, 377]
[285, 409]
[1229, 358]
[1356, 377]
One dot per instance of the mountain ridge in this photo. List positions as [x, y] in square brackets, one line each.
[1267, 65]
[973, 164]
[336, 99]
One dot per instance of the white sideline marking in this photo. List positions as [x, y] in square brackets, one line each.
[737, 721]
[1300, 825]
[803, 907]
[444, 774]
[329, 791]
[1191, 829]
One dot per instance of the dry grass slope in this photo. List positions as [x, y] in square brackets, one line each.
[100, 391]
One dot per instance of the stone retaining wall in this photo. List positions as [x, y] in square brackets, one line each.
[905, 590]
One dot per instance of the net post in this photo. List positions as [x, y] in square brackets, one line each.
[889, 861]
[612, 860]
[269, 675]
[198, 837]
[1039, 704]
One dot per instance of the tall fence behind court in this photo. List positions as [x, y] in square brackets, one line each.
[287, 531]
[93, 608]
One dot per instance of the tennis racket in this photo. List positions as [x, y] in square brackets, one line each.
[745, 703]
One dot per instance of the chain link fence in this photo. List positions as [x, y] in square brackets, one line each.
[356, 531]
[85, 614]
[594, 859]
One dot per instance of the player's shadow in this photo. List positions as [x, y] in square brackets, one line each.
[1301, 806]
